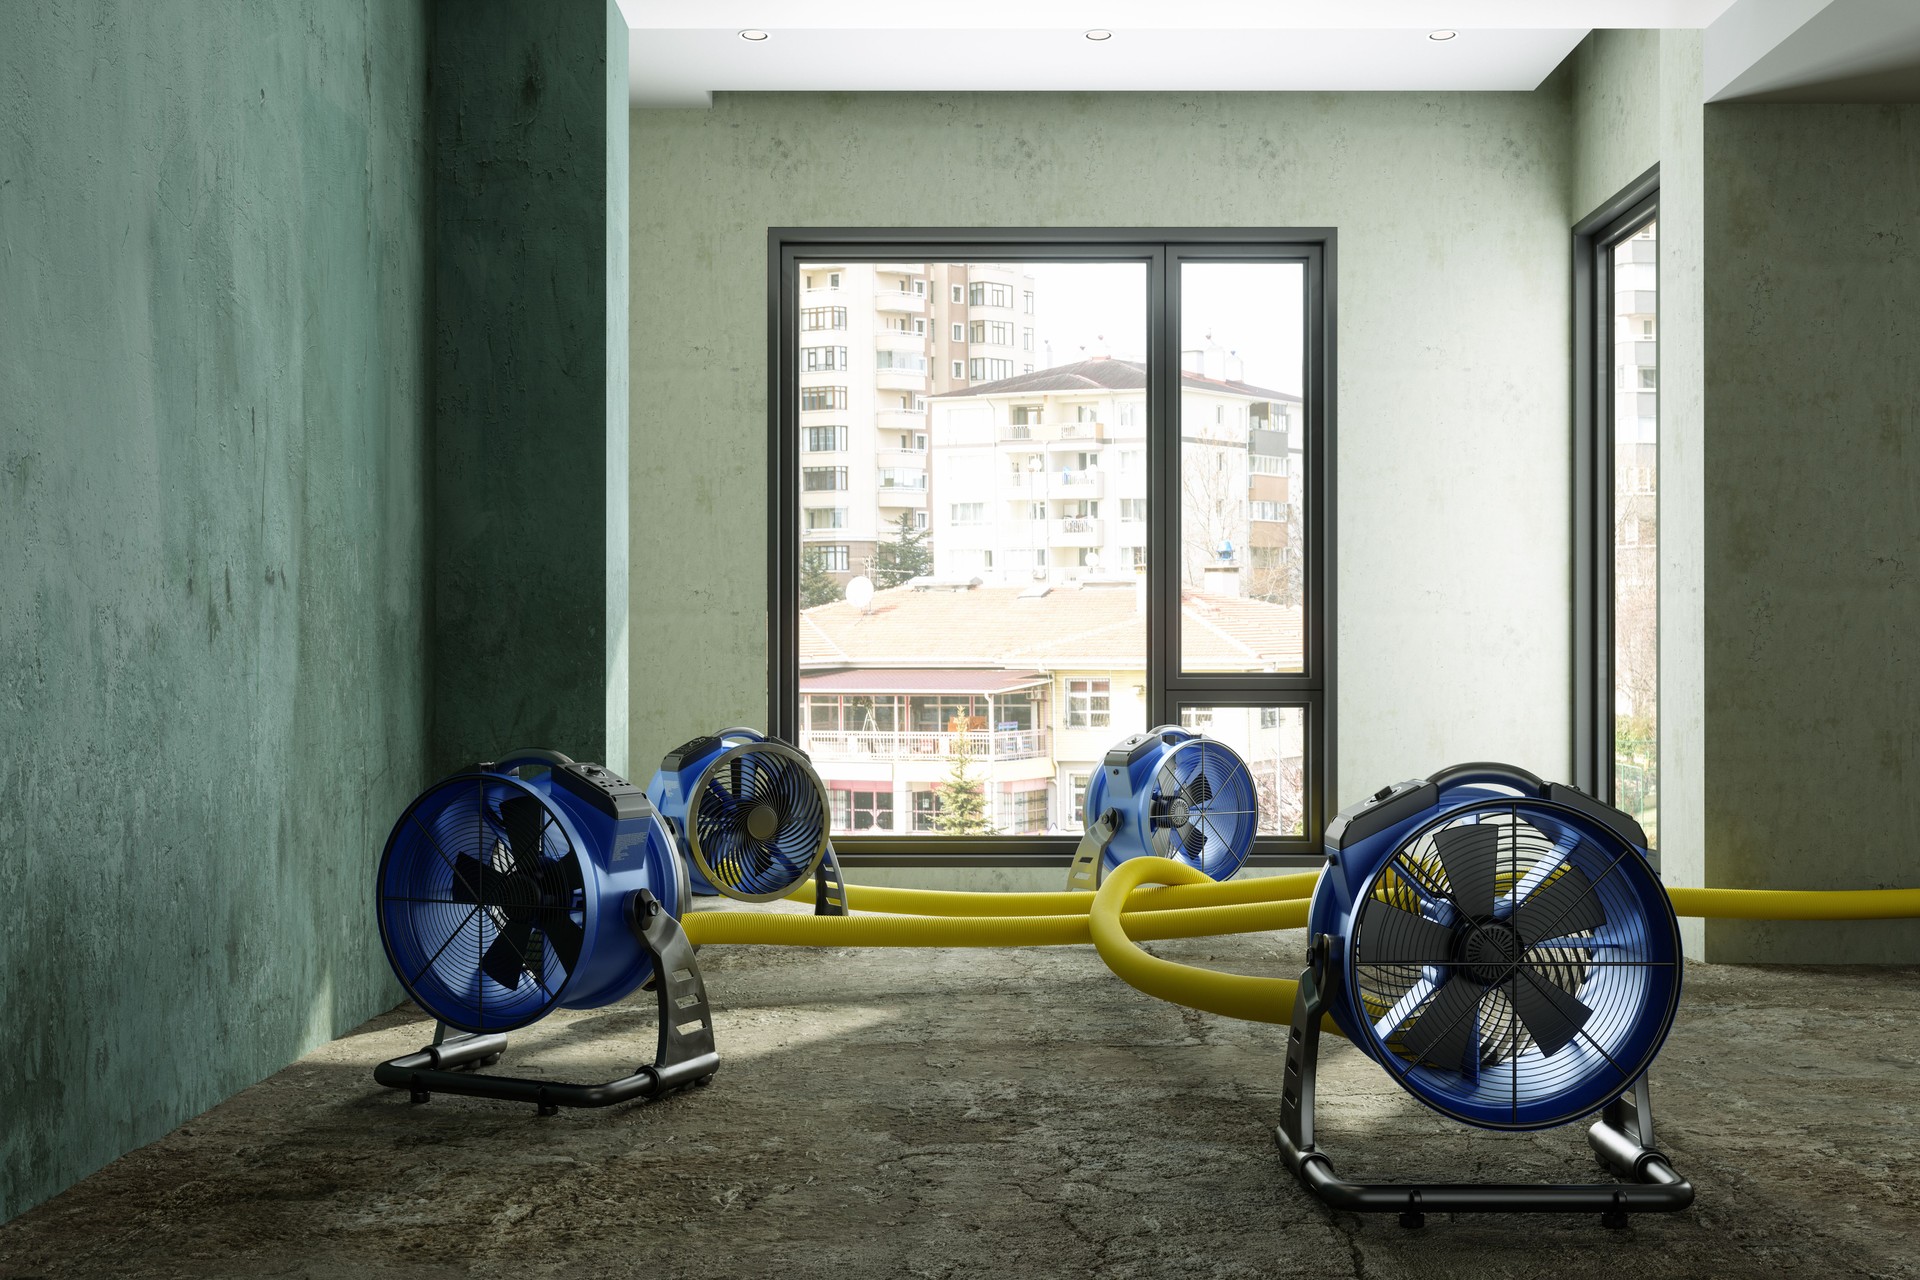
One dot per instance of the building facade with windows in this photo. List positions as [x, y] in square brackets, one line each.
[875, 340]
[1032, 683]
[1043, 475]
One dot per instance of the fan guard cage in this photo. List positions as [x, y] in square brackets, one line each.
[757, 824]
[1194, 800]
[1514, 965]
[461, 908]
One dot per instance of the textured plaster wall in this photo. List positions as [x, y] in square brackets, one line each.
[1636, 103]
[1813, 516]
[213, 633]
[1453, 331]
[526, 372]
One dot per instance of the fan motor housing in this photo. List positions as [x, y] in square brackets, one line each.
[787, 827]
[1208, 822]
[1524, 918]
[451, 882]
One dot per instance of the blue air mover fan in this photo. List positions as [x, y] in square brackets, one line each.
[1501, 946]
[514, 888]
[1173, 794]
[751, 816]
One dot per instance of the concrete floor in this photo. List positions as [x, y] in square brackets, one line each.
[949, 1113]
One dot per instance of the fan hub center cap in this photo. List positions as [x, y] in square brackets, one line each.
[1489, 951]
[1177, 810]
[762, 821]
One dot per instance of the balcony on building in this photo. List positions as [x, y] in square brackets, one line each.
[900, 717]
[1077, 531]
[1053, 434]
[899, 301]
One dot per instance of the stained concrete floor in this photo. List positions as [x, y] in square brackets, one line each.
[955, 1113]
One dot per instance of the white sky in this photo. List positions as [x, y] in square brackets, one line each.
[1252, 308]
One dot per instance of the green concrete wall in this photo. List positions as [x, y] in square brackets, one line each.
[1813, 516]
[1636, 103]
[214, 362]
[1453, 331]
[530, 190]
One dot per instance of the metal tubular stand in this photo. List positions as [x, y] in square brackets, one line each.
[1622, 1138]
[1084, 873]
[685, 1055]
[829, 886]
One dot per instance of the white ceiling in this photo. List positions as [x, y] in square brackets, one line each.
[681, 52]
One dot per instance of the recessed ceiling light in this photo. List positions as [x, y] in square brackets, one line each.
[753, 35]
[1099, 35]
[1443, 35]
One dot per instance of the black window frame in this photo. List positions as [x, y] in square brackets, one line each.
[1162, 251]
[1594, 239]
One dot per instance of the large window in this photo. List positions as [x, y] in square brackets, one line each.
[1026, 567]
[1617, 504]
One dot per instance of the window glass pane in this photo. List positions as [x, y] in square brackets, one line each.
[1271, 739]
[973, 555]
[1636, 540]
[1242, 433]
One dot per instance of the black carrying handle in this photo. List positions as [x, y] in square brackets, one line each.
[511, 760]
[1505, 775]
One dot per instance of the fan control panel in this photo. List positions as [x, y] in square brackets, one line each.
[604, 789]
[1382, 809]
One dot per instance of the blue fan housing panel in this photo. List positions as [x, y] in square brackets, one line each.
[1502, 946]
[502, 894]
[749, 806]
[671, 789]
[1179, 795]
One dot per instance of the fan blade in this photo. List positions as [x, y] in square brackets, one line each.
[1447, 1029]
[524, 819]
[1195, 842]
[475, 881]
[1166, 781]
[505, 960]
[1552, 1016]
[1392, 935]
[1565, 843]
[1471, 856]
[564, 936]
[1563, 905]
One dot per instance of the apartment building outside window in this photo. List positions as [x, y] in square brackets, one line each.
[813, 318]
[1006, 523]
[1089, 703]
[814, 359]
[833, 557]
[819, 479]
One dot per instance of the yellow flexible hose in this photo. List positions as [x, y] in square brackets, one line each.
[1126, 911]
[1230, 994]
[1796, 904]
[945, 902]
[768, 929]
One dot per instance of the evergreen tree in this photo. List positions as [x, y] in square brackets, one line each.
[963, 801]
[906, 556]
[817, 586]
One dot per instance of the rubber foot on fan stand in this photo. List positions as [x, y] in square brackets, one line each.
[549, 1109]
[1412, 1219]
[419, 1096]
[1614, 1220]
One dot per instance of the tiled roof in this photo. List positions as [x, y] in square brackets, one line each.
[1092, 627]
[918, 680]
[1103, 374]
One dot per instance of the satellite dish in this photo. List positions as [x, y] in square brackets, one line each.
[860, 592]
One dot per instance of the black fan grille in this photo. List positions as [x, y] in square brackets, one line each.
[1518, 850]
[758, 825]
